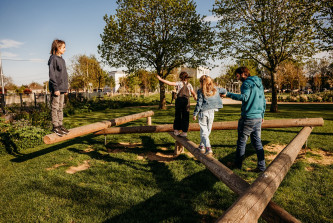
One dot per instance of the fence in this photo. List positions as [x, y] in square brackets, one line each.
[29, 100]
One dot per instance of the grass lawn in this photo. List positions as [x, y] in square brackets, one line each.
[136, 178]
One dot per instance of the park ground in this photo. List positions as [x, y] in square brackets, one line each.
[137, 177]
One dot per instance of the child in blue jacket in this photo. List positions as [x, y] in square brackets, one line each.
[208, 102]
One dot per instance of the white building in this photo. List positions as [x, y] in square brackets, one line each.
[116, 76]
[194, 72]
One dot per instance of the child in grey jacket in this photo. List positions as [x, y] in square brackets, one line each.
[208, 102]
[58, 85]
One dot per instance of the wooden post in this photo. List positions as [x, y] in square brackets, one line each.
[179, 148]
[276, 123]
[272, 213]
[86, 129]
[149, 120]
[253, 201]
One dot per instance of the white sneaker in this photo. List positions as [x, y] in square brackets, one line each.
[176, 132]
[183, 134]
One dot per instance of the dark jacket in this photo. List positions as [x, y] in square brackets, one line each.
[252, 97]
[208, 103]
[58, 77]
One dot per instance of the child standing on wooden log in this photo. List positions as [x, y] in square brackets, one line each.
[182, 104]
[58, 85]
[208, 102]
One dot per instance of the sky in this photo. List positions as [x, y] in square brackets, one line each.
[28, 27]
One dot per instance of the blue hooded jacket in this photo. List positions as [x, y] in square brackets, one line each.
[252, 97]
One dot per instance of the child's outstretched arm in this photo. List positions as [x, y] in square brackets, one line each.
[198, 105]
[165, 81]
[194, 95]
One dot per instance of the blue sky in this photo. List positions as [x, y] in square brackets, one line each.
[28, 27]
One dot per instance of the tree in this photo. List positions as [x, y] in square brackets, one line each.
[85, 71]
[266, 31]
[324, 23]
[320, 73]
[290, 75]
[229, 75]
[156, 35]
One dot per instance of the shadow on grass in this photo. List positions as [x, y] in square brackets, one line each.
[28, 156]
[175, 202]
[230, 158]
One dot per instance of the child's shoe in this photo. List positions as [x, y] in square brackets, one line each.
[176, 132]
[58, 131]
[209, 151]
[183, 134]
[201, 149]
[64, 129]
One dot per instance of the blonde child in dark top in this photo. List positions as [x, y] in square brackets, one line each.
[208, 102]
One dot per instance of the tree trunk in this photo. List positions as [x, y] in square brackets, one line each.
[274, 106]
[162, 104]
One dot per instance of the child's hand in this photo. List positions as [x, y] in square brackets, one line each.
[194, 118]
[158, 76]
[223, 95]
[57, 93]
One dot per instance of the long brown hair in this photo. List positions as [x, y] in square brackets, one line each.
[56, 45]
[207, 86]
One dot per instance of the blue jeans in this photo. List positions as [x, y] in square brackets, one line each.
[252, 128]
[205, 119]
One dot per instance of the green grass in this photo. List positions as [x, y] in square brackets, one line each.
[119, 187]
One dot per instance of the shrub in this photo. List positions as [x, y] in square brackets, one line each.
[19, 135]
[27, 91]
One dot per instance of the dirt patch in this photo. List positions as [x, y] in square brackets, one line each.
[56, 166]
[316, 156]
[74, 169]
[87, 150]
[311, 156]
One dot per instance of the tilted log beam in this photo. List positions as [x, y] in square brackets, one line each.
[275, 123]
[272, 213]
[86, 129]
[249, 206]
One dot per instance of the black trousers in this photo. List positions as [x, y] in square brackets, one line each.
[182, 114]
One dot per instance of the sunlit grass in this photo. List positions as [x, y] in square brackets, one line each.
[122, 187]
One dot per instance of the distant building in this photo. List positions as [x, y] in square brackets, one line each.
[194, 72]
[116, 76]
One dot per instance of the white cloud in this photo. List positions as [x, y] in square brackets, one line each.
[8, 55]
[211, 18]
[9, 43]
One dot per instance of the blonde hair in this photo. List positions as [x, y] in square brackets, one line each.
[207, 86]
[56, 45]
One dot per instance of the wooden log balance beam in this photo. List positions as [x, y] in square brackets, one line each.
[97, 126]
[228, 125]
[272, 213]
[249, 206]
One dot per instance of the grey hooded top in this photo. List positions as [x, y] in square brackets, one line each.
[58, 77]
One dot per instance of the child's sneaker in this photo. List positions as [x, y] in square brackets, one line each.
[208, 151]
[201, 149]
[183, 134]
[58, 131]
[176, 132]
[64, 129]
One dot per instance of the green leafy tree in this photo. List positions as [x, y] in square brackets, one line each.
[85, 71]
[266, 31]
[324, 23]
[156, 35]
[228, 76]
